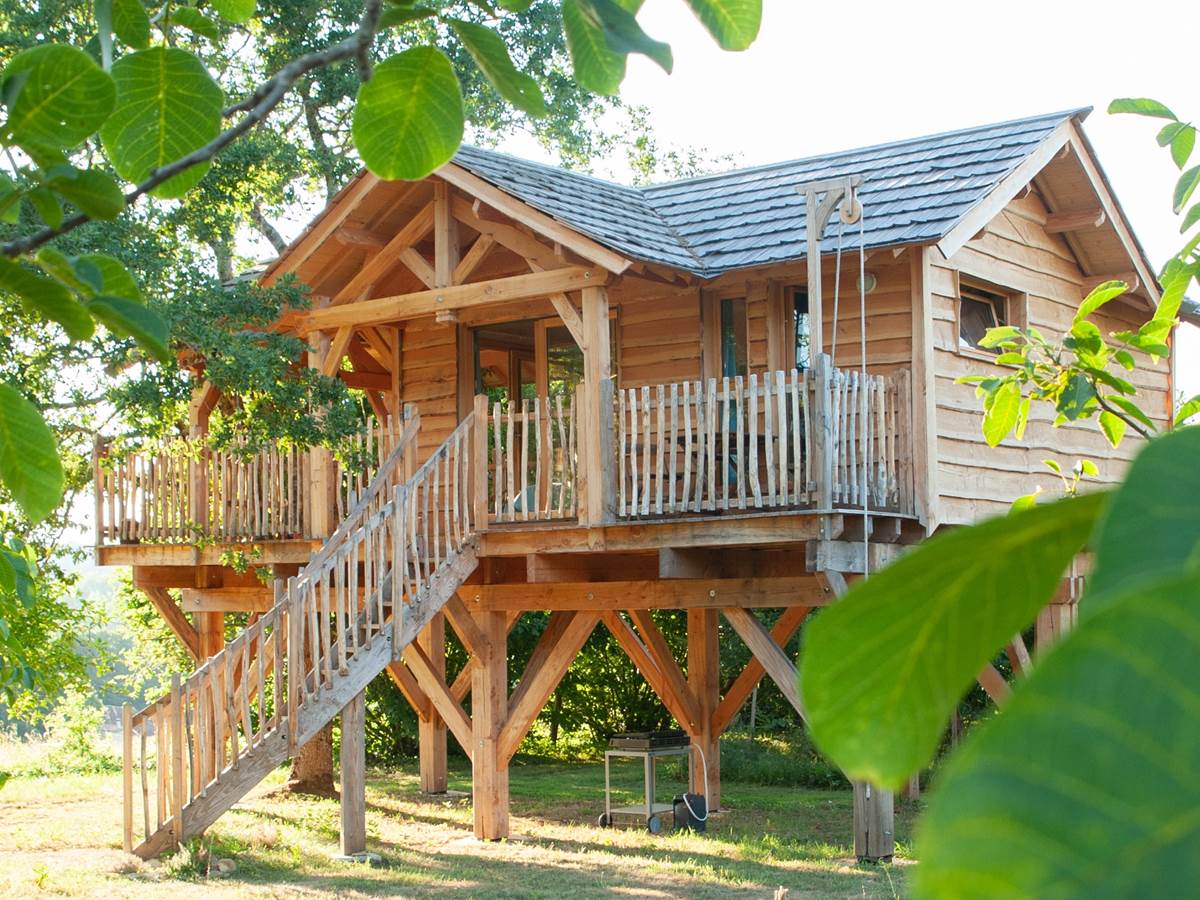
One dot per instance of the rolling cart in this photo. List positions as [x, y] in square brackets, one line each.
[649, 746]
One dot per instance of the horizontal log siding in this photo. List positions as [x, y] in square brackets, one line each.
[974, 480]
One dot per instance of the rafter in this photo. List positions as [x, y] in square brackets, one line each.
[419, 266]
[379, 264]
[473, 258]
[508, 236]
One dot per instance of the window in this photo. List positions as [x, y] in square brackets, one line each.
[733, 338]
[801, 331]
[978, 310]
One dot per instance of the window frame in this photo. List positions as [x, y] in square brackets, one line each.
[1016, 304]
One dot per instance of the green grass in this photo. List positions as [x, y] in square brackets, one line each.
[61, 835]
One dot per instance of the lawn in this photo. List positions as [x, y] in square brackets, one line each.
[62, 835]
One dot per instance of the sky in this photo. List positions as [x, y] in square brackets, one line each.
[830, 76]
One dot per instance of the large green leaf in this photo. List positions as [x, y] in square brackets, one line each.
[1140, 106]
[234, 10]
[734, 23]
[167, 106]
[130, 23]
[491, 55]
[94, 192]
[107, 275]
[129, 318]
[623, 33]
[597, 66]
[47, 298]
[1001, 413]
[1152, 523]
[409, 117]
[56, 96]
[192, 19]
[29, 464]
[1086, 785]
[883, 668]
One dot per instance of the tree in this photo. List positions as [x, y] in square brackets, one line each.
[1083, 785]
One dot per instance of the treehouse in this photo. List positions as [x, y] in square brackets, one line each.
[719, 395]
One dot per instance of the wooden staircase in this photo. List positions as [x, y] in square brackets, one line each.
[391, 565]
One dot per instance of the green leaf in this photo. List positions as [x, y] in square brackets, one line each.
[1113, 427]
[1132, 409]
[623, 34]
[196, 22]
[1182, 145]
[130, 23]
[491, 55]
[96, 193]
[1077, 397]
[237, 11]
[1085, 786]
[8, 577]
[111, 277]
[61, 96]
[1022, 418]
[1087, 467]
[1001, 414]
[1151, 528]
[1187, 410]
[1168, 132]
[733, 23]
[1175, 282]
[46, 298]
[515, 5]
[1125, 358]
[167, 106]
[1141, 107]
[29, 464]
[129, 318]
[1100, 295]
[400, 15]
[997, 335]
[1184, 187]
[1192, 217]
[409, 117]
[884, 667]
[597, 67]
[48, 208]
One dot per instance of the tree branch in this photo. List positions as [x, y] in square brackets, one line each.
[257, 106]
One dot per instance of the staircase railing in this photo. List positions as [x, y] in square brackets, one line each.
[399, 538]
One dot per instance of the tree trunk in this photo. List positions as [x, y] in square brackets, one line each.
[269, 231]
[224, 256]
[312, 768]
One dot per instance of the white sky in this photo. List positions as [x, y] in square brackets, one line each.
[831, 76]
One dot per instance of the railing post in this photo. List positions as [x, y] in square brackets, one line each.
[177, 742]
[98, 487]
[294, 673]
[822, 447]
[604, 447]
[127, 775]
[410, 452]
[479, 464]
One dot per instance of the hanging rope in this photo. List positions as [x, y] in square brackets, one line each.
[837, 285]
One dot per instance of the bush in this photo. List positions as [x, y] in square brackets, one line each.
[75, 740]
[779, 759]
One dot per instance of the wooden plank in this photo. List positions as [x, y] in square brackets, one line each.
[175, 619]
[230, 599]
[406, 683]
[538, 221]
[675, 593]
[1079, 220]
[738, 692]
[457, 297]
[994, 684]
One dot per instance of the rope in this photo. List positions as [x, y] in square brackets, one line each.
[837, 285]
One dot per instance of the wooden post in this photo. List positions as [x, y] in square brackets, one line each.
[874, 818]
[821, 447]
[354, 773]
[431, 728]
[597, 414]
[704, 679]
[212, 633]
[395, 408]
[177, 750]
[321, 488]
[479, 464]
[127, 774]
[814, 228]
[489, 701]
[924, 401]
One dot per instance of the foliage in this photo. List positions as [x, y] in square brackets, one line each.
[1082, 786]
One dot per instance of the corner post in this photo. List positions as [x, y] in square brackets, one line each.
[599, 461]
[704, 679]
[874, 823]
[489, 701]
[323, 505]
[354, 772]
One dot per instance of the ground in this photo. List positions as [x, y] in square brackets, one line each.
[62, 835]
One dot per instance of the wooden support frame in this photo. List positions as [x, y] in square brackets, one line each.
[431, 731]
[161, 600]
[704, 679]
[769, 655]
[741, 688]
[489, 708]
[639, 654]
[437, 696]
[666, 593]
[681, 689]
[354, 776]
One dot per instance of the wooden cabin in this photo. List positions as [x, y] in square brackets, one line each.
[601, 400]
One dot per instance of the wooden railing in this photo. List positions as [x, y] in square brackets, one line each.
[818, 439]
[180, 492]
[532, 458]
[271, 684]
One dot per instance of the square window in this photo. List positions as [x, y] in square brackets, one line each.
[978, 310]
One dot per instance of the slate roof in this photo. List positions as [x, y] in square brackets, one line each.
[913, 191]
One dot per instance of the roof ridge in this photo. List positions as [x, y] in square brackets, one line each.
[848, 151]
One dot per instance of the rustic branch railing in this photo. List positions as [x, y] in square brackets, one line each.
[532, 459]
[796, 439]
[179, 492]
[272, 683]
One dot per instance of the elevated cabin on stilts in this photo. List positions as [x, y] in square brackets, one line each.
[602, 400]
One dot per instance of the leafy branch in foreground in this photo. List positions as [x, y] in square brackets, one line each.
[150, 103]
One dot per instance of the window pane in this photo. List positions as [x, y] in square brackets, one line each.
[733, 337]
[975, 317]
[802, 333]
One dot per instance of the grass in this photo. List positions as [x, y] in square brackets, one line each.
[61, 835]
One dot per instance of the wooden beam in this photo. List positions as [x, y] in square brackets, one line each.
[774, 661]
[489, 708]
[850, 556]
[672, 593]
[419, 266]
[924, 390]
[446, 250]
[232, 599]
[406, 682]
[440, 699]
[542, 675]
[473, 258]
[570, 316]
[464, 626]
[529, 248]
[994, 684]
[175, 619]
[1092, 282]
[645, 664]
[595, 421]
[359, 237]
[332, 360]
[462, 681]
[1081, 220]
[379, 264]
[738, 692]
[423, 303]
[538, 221]
[354, 776]
[366, 381]
[431, 733]
[704, 680]
[1018, 655]
[683, 694]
